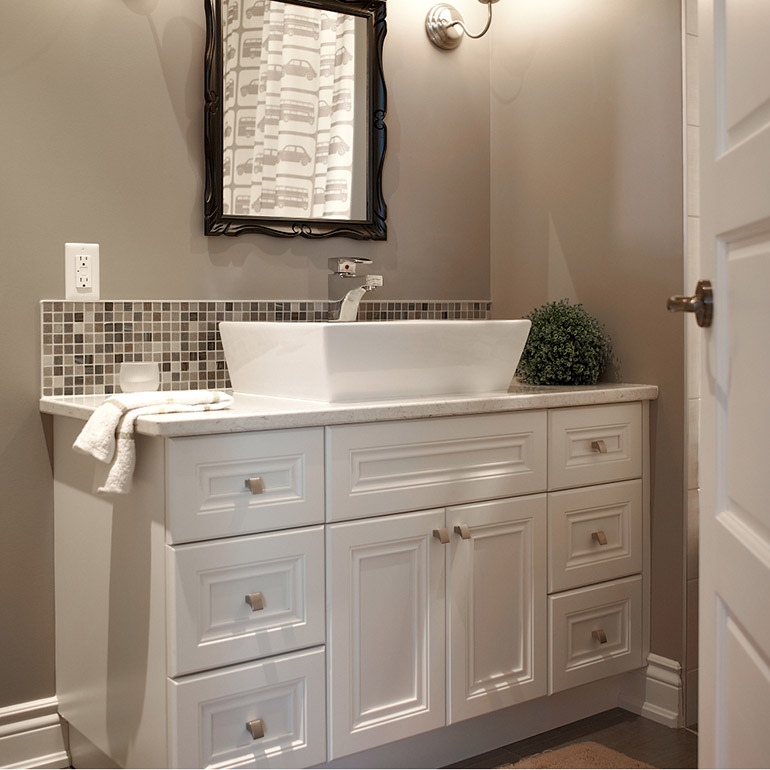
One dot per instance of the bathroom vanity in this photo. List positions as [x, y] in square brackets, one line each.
[293, 583]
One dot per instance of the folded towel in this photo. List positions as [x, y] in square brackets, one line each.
[111, 427]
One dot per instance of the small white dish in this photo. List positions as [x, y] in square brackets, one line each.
[136, 376]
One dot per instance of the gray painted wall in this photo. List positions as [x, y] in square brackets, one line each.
[102, 128]
[102, 141]
[587, 204]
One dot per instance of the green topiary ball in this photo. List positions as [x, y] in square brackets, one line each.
[566, 346]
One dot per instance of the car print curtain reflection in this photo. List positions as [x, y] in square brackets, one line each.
[289, 117]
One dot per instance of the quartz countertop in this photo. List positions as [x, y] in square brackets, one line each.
[266, 413]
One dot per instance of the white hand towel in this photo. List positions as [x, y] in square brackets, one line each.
[112, 424]
[98, 436]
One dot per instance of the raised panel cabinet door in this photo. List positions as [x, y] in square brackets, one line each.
[386, 643]
[496, 605]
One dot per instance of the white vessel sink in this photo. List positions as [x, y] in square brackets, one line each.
[367, 360]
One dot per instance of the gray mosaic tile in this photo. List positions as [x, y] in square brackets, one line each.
[84, 343]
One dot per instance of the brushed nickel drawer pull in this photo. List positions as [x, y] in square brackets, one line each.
[599, 537]
[256, 601]
[257, 728]
[599, 636]
[464, 531]
[255, 485]
[599, 446]
[442, 535]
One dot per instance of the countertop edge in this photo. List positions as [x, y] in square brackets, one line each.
[250, 413]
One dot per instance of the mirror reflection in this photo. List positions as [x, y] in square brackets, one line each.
[302, 137]
[294, 120]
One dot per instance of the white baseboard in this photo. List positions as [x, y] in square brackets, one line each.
[31, 735]
[656, 692]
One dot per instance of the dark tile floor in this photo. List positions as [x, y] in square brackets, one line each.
[617, 729]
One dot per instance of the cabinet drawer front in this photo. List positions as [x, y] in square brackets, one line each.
[209, 714]
[594, 534]
[594, 444]
[211, 622]
[595, 632]
[207, 477]
[405, 466]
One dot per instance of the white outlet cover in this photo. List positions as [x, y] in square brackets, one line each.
[71, 288]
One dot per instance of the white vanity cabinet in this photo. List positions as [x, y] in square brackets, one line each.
[288, 597]
[441, 615]
[438, 615]
[191, 613]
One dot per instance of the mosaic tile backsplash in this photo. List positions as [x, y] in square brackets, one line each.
[84, 343]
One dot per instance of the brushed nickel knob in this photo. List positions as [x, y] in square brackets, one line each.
[255, 485]
[257, 728]
[599, 537]
[256, 601]
[442, 535]
[599, 636]
[464, 531]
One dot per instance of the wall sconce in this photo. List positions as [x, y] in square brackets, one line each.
[445, 26]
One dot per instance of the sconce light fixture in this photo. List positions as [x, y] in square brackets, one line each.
[445, 26]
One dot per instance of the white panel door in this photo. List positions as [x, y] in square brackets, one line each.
[496, 604]
[386, 630]
[734, 704]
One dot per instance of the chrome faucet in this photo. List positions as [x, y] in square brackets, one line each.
[350, 302]
[339, 291]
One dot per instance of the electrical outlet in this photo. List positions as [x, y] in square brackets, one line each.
[81, 271]
[83, 275]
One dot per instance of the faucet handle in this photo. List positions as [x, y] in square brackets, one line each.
[342, 266]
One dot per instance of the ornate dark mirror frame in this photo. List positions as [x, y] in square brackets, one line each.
[216, 222]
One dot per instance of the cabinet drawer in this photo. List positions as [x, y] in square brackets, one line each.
[594, 534]
[595, 632]
[410, 465]
[208, 496]
[209, 714]
[594, 444]
[210, 620]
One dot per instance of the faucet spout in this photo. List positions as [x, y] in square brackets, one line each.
[351, 301]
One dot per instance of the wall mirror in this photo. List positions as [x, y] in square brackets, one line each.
[294, 118]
